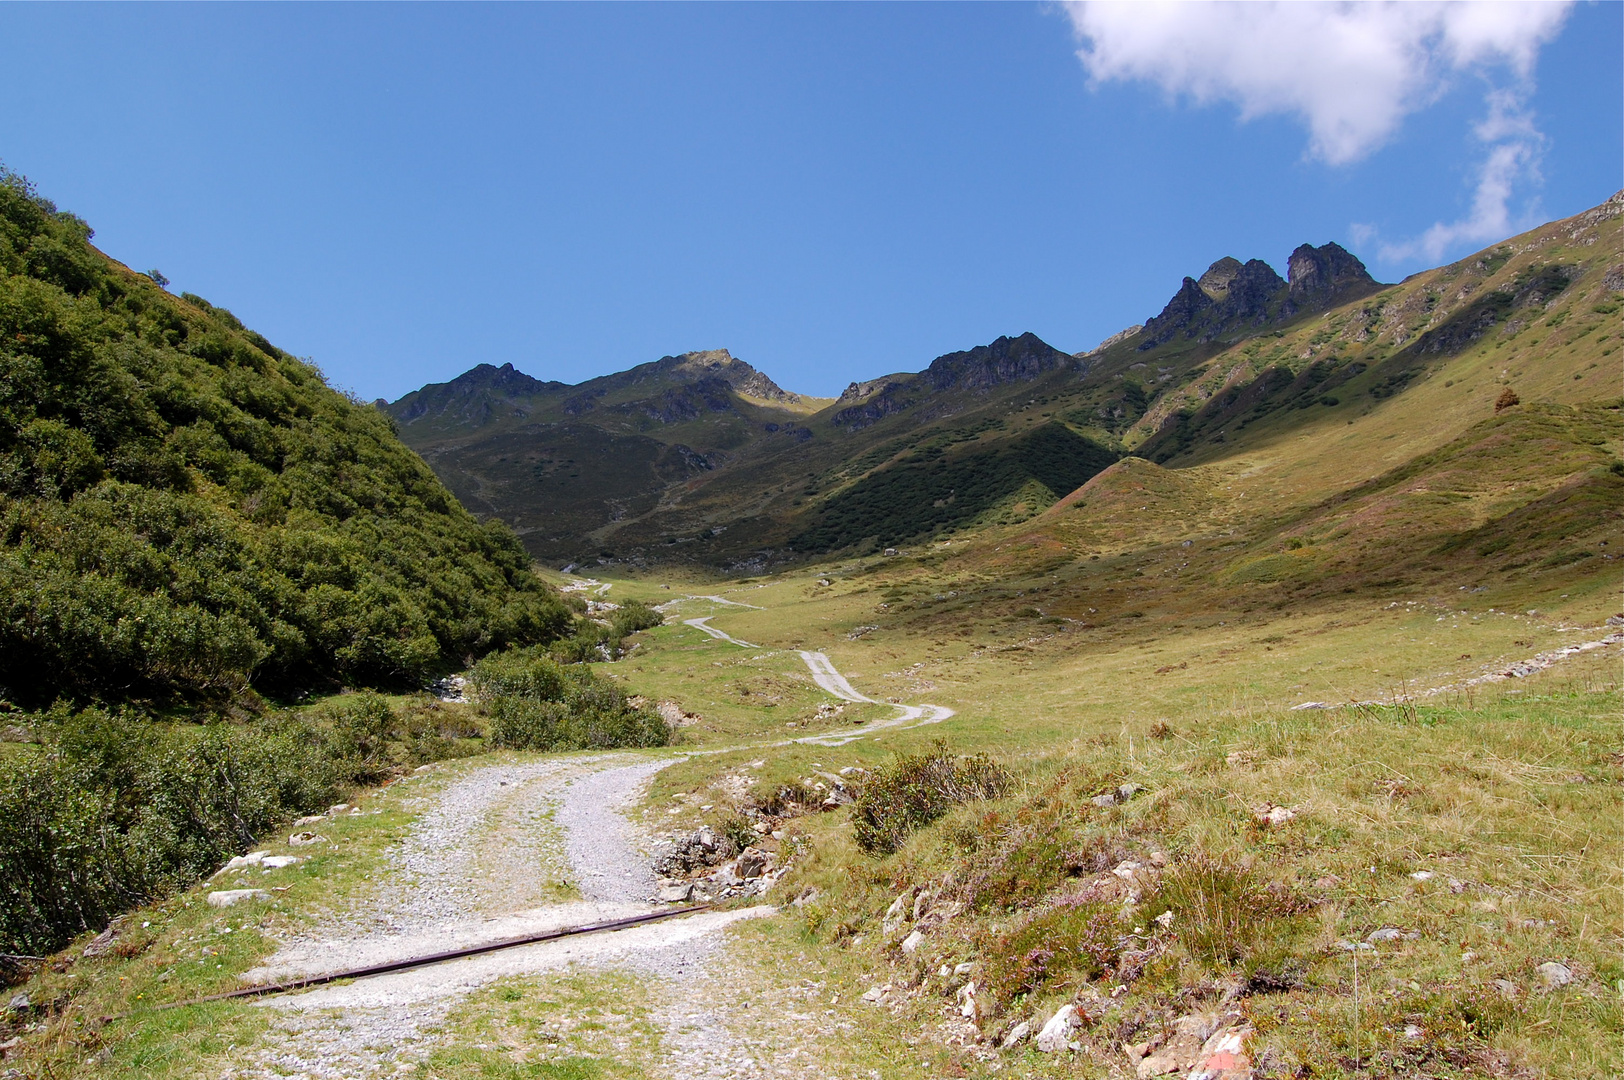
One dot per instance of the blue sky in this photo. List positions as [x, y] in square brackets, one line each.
[832, 192]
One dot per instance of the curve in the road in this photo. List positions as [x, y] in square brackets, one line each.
[720, 635]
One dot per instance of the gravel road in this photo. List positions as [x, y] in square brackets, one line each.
[470, 871]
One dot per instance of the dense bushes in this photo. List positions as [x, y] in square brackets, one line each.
[536, 704]
[917, 789]
[186, 510]
[594, 641]
[113, 810]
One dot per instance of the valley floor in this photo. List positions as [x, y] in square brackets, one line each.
[1453, 793]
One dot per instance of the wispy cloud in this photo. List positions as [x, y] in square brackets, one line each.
[1350, 72]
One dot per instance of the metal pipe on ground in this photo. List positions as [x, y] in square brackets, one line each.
[420, 961]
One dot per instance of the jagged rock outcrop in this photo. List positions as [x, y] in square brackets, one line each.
[1004, 361]
[1235, 299]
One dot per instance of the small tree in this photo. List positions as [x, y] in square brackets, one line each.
[1508, 397]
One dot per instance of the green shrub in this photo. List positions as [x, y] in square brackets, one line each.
[534, 703]
[112, 811]
[1066, 943]
[916, 790]
[632, 616]
[187, 512]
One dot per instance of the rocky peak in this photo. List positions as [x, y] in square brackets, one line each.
[1005, 360]
[1319, 274]
[1215, 282]
[473, 396]
[1234, 299]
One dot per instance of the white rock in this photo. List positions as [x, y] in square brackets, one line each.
[301, 839]
[911, 943]
[1057, 1032]
[895, 915]
[230, 897]
[277, 862]
[964, 968]
[1422, 875]
[1275, 815]
[1126, 869]
[1164, 920]
[1555, 974]
[677, 893]
[1017, 1035]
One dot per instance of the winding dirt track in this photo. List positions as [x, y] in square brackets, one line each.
[484, 861]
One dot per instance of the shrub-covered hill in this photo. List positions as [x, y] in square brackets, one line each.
[186, 511]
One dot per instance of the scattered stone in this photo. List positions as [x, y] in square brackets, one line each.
[1200, 1044]
[963, 969]
[970, 1004]
[701, 848]
[1350, 946]
[677, 892]
[1274, 816]
[808, 895]
[1506, 989]
[277, 862]
[102, 942]
[1016, 1035]
[1224, 1057]
[752, 864]
[911, 943]
[1413, 1033]
[1422, 875]
[1555, 974]
[1313, 705]
[1391, 933]
[1329, 881]
[876, 995]
[1057, 1032]
[921, 904]
[895, 915]
[303, 839]
[311, 819]
[1237, 758]
[1128, 791]
[231, 897]
[1164, 920]
[1108, 799]
[1127, 869]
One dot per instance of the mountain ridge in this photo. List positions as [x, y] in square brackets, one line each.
[1238, 350]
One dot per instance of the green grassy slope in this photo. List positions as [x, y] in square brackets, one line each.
[187, 511]
[1240, 363]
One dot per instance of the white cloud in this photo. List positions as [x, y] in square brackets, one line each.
[1350, 72]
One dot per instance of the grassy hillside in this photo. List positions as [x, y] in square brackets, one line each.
[650, 467]
[188, 512]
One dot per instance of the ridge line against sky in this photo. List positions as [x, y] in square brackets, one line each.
[832, 192]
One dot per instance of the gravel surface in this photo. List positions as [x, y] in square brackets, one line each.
[460, 878]
[486, 861]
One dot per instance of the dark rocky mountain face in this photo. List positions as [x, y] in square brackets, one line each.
[1004, 361]
[1234, 299]
[473, 396]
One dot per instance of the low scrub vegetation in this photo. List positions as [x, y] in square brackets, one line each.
[918, 789]
[535, 703]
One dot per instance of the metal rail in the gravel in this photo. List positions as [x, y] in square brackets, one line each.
[434, 958]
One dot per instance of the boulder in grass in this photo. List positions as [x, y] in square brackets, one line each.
[232, 897]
